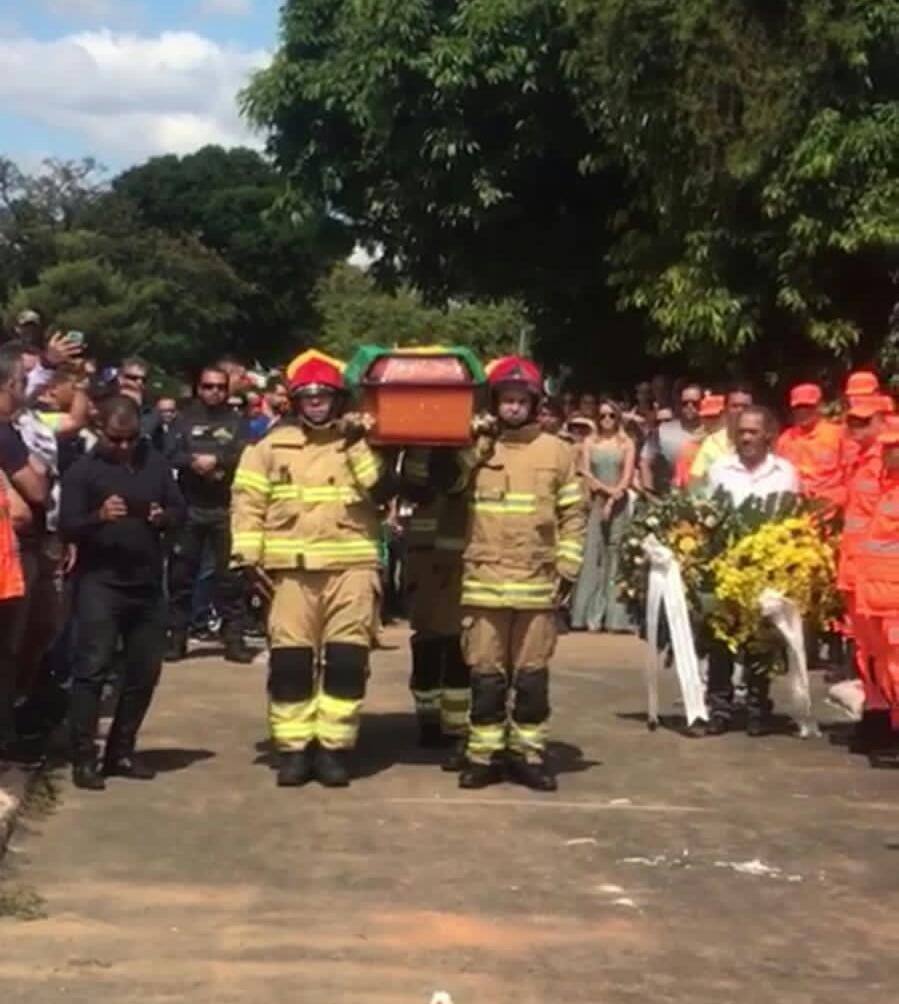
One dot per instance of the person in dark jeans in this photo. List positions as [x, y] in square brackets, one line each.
[116, 504]
[210, 442]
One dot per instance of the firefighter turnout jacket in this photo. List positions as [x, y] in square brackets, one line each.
[301, 501]
[526, 520]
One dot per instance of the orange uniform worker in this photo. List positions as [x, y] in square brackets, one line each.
[863, 425]
[711, 410]
[877, 577]
[814, 446]
[860, 384]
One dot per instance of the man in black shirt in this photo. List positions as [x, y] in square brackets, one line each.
[210, 442]
[116, 503]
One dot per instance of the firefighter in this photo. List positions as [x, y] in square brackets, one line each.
[523, 551]
[877, 590]
[306, 523]
[440, 680]
[814, 446]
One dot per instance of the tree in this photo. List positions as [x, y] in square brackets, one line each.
[447, 135]
[170, 299]
[231, 201]
[708, 175]
[354, 312]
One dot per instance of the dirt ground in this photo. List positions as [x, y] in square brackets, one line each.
[664, 869]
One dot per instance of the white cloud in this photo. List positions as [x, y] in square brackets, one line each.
[131, 96]
[231, 8]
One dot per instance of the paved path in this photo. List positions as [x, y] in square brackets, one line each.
[664, 869]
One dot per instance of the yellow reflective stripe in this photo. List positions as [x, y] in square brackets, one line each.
[253, 538]
[293, 723]
[250, 479]
[365, 467]
[528, 738]
[485, 740]
[315, 493]
[570, 549]
[568, 495]
[511, 587]
[426, 700]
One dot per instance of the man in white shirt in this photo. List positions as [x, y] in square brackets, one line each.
[753, 471]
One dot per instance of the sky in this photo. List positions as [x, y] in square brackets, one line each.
[124, 80]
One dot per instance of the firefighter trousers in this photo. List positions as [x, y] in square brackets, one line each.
[440, 681]
[321, 628]
[508, 650]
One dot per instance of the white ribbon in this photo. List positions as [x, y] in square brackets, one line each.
[784, 615]
[667, 587]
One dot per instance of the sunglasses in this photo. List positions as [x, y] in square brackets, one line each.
[692, 402]
[135, 377]
[213, 386]
[122, 440]
[607, 414]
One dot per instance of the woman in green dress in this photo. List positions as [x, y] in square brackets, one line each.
[607, 467]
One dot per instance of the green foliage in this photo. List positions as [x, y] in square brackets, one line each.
[354, 312]
[229, 200]
[172, 300]
[698, 175]
[181, 258]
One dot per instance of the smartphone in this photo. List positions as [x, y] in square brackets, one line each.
[76, 337]
[139, 509]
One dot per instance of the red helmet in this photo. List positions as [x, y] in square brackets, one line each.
[515, 371]
[312, 372]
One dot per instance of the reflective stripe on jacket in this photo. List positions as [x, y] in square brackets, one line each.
[526, 520]
[300, 499]
[863, 491]
[877, 556]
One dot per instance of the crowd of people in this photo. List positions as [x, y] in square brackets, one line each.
[124, 521]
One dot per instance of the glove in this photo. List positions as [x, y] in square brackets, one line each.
[484, 424]
[562, 597]
[355, 425]
[258, 581]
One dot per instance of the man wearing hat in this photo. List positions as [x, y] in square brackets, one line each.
[864, 421]
[877, 591]
[814, 446]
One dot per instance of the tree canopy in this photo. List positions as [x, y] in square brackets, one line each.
[701, 175]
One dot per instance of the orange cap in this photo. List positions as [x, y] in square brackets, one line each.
[889, 435]
[867, 405]
[711, 406]
[862, 382]
[805, 395]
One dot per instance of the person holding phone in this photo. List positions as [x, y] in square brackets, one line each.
[117, 502]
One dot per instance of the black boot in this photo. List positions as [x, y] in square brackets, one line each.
[85, 774]
[126, 765]
[176, 650]
[532, 775]
[237, 651]
[331, 768]
[455, 762]
[430, 734]
[480, 775]
[295, 768]
[872, 733]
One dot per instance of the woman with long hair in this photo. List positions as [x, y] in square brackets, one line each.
[607, 467]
